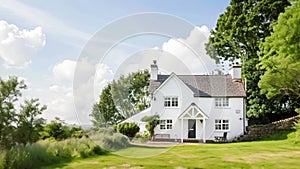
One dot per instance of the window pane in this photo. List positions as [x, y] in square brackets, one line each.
[174, 101]
[162, 127]
[167, 101]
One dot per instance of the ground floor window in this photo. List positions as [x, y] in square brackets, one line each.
[221, 124]
[165, 124]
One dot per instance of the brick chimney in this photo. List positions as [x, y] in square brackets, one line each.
[154, 71]
[235, 72]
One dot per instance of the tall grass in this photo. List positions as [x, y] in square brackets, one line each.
[47, 152]
[110, 140]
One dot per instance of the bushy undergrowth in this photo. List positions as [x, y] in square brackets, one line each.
[295, 136]
[48, 152]
[109, 139]
[141, 137]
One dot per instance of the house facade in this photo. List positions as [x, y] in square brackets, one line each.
[196, 107]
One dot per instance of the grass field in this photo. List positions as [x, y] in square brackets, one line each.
[259, 154]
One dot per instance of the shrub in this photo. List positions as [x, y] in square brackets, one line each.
[128, 129]
[142, 137]
[295, 136]
[115, 142]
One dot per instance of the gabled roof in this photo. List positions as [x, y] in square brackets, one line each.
[192, 112]
[206, 85]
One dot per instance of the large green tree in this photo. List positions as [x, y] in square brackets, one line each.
[28, 125]
[280, 56]
[18, 126]
[104, 112]
[237, 35]
[130, 93]
[121, 99]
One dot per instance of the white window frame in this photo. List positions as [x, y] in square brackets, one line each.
[222, 102]
[222, 124]
[171, 101]
[166, 124]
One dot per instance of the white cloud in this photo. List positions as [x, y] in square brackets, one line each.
[18, 46]
[64, 70]
[191, 51]
[180, 55]
[61, 98]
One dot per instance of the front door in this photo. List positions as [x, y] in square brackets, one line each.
[192, 128]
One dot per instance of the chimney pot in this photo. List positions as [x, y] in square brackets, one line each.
[154, 71]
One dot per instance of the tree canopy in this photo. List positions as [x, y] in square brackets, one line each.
[130, 93]
[238, 33]
[105, 112]
[280, 56]
[18, 126]
[121, 99]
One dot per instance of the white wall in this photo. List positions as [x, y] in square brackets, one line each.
[175, 87]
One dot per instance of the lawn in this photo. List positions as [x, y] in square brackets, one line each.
[259, 154]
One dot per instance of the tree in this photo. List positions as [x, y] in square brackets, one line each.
[130, 93]
[18, 126]
[10, 90]
[238, 33]
[138, 90]
[28, 125]
[56, 130]
[280, 56]
[105, 112]
[152, 122]
[120, 94]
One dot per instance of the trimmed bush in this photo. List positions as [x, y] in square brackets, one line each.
[128, 129]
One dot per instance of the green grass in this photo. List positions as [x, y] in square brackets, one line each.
[260, 154]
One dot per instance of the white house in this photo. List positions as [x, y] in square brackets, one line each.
[196, 107]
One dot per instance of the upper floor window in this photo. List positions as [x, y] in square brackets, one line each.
[165, 124]
[171, 102]
[222, 102]
[221, 124]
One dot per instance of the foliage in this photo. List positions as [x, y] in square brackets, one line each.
[44, 153]
[141, 137]
[280, 57]
[18, 127]
[115, 142]
[58, 130]
[121, 99]
[152, 122]
[130, 93]
[237, 35]
[138, 90]
[28, 125]
[296, 136]
[128, 129]
[109, 139]
[104, 112]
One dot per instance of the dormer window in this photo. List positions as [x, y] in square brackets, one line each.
[222, 102]
[171, 102]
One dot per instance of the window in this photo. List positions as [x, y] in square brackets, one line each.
[171, 102]
[222, 102]
[165, 124]
[221, 124]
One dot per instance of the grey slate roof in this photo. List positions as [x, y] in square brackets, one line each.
[206, 85]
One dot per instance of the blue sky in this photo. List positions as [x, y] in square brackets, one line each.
[42, 41]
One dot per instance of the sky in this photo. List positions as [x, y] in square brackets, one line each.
[66, 51]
